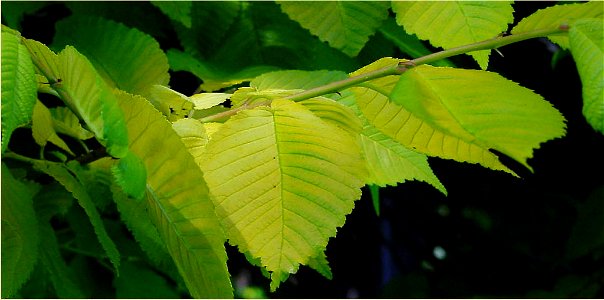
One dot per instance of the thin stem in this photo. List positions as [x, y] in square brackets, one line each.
[402, 67]
[26, 159]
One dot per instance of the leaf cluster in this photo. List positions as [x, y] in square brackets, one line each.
[300, 106]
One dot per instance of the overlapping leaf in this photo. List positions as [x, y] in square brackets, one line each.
[461, 114]
[43, 130]
[587, 46]
[555, 16]
[18, 85]
[19, 233]
[455, 23]
[66, 122]
[345, 25]
[85, 93]
[63, 174]
[126, 58]
[283, 180]
[178, 200]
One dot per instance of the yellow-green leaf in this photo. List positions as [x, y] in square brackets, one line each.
[66, 122]
[85, 93]
[555, 16]
[177, 200]
[283, 181]
[480, 108]
[43, 130]
[171, 103]
[388, 161]
[455, 23]
[587, 47]
[19, 85]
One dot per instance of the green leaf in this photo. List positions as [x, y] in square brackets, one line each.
[464, 113]
[407, 43]
[210, 22]
[43, 130]
[214, 77]
[178, 200]
[125, 58]
[85, 93]
[139, 281]
[179, 11]
[19, 232]
[208, 100]
[345, 25]
[455, 23]
[66, 122]
[136, 218]
[19, 85]
[13, 11]
[375, 197]
[283, 180]
[296, 79]
[130, 174]
[171, 103]
[587, 47]
[320, 264]
[65, 176]
[555, 16]
[62, 278]
[193, 135]
[334, 113]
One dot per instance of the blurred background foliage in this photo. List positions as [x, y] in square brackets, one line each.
[494, 236]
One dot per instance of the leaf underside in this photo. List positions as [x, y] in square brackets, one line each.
[283, 181]
[178, 200]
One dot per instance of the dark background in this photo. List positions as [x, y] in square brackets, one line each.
[540, 236]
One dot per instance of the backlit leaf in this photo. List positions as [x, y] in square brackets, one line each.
[283, 180]
[193, 135]
[177, 200]
[125, 58]
[171, 103]
[65, 176]
[85, 93]
[345, 25]
[66, 122]
[481, 108]
[18, 85]
[19, 232]
[296, 79]
[43, 130]
[587, 46]
[562, 14]
[208, 100]
[455, 23]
